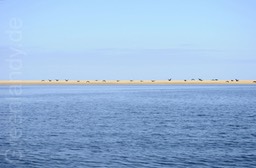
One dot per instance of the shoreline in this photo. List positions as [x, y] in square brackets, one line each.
[126, 82]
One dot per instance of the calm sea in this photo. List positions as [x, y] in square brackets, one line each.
[128, 126]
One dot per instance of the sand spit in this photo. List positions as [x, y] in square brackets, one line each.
[127, 82]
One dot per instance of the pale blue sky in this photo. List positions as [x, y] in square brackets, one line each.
[131, 39]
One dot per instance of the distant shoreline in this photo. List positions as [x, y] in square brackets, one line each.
[127, 82]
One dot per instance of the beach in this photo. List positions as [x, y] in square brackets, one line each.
[127, 82]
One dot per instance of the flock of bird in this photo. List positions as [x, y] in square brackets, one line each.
[199, 79]
[170, 79]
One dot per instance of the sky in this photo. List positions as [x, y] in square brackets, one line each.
[127, 39]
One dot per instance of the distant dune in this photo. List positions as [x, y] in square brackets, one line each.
[126, 82]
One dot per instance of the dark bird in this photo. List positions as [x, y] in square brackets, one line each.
[66, 80]
[152, 80]
[170, 79]
[50, 80]
[237, 80]
[200, 79]
[185, 80]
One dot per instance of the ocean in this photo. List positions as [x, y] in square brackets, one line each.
[128, 126]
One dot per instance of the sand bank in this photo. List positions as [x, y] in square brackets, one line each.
[126, 82]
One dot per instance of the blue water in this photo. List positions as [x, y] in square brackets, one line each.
[128, 126]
